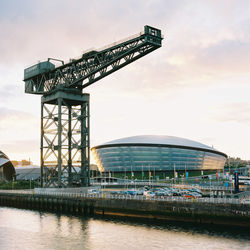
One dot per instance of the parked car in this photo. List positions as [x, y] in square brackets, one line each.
[93, 191]
[245, 201]
[190, 196]
[132, 192]
[177, 193]
[197, 195]
[116, 192]
[149, 194]
[160, 193]
[140, 191]
[195, 190]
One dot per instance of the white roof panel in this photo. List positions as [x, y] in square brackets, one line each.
[159, 139]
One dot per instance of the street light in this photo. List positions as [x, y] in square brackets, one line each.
[126, 182]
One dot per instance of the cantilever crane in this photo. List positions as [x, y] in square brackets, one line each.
[65, 109]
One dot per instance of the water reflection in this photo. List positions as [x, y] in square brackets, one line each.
[24, 229]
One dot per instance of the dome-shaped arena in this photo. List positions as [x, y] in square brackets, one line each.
[7, 171]
[159, 153]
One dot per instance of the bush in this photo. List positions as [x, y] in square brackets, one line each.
[22, 184]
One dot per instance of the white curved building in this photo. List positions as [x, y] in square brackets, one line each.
[161, 153]
[7, 170]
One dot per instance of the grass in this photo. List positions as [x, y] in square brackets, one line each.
[22, 184]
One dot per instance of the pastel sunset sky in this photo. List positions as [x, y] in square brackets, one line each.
[197, 86]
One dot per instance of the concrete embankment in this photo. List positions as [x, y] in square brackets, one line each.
[224, 214]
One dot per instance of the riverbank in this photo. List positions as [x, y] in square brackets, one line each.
[193, 211]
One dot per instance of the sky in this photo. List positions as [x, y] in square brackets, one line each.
[196, 86]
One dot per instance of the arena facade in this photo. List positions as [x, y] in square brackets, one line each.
[158, 153]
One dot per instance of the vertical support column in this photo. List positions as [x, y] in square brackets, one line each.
[41, 148]
[59, 142]
[69, 148]
[85, 144]
[83, 149]
[88, 144]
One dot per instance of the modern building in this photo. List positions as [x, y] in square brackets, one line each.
[7, 170]
[156, 153]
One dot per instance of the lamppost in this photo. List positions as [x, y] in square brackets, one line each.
[126, 182]
[154, 174]
[174, 173]
[210, 184]
[149, 175]
[142, 172]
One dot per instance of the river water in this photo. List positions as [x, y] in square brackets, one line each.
[26, 229]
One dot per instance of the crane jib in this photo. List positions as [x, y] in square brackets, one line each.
[93, 65]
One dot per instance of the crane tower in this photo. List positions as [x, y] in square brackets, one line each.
[65, 142]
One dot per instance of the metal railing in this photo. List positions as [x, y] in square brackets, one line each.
[14, 191]
[143, 197]
[127, 197]
[159, 184]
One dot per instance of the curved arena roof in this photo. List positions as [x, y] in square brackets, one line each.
[160, 140]
[7, 170]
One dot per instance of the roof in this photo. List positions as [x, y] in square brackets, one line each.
[7, 168]
[3, 159]
[159, 140]
[27, 173]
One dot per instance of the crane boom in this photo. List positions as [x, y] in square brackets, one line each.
[92, 66]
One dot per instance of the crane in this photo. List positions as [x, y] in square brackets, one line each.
[65, 142]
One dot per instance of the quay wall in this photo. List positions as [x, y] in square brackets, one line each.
[209, 213]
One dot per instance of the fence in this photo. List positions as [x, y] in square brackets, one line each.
[127, 197]
[160, 184]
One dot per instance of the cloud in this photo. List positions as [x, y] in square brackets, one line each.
[19, 133]
[16, 124]
[198, 47]
[21, 146]
[21, 149]
[228, 56]
[6, 93]
[34, 30]
[9, 116]
[234, 112]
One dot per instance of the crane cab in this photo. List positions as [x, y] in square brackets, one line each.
[37, 69]
[35, 72]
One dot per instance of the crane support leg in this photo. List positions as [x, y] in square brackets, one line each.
[65, 149]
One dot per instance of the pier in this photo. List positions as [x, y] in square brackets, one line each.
[221, 211]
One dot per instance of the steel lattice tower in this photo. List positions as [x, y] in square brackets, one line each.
[65, 138]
